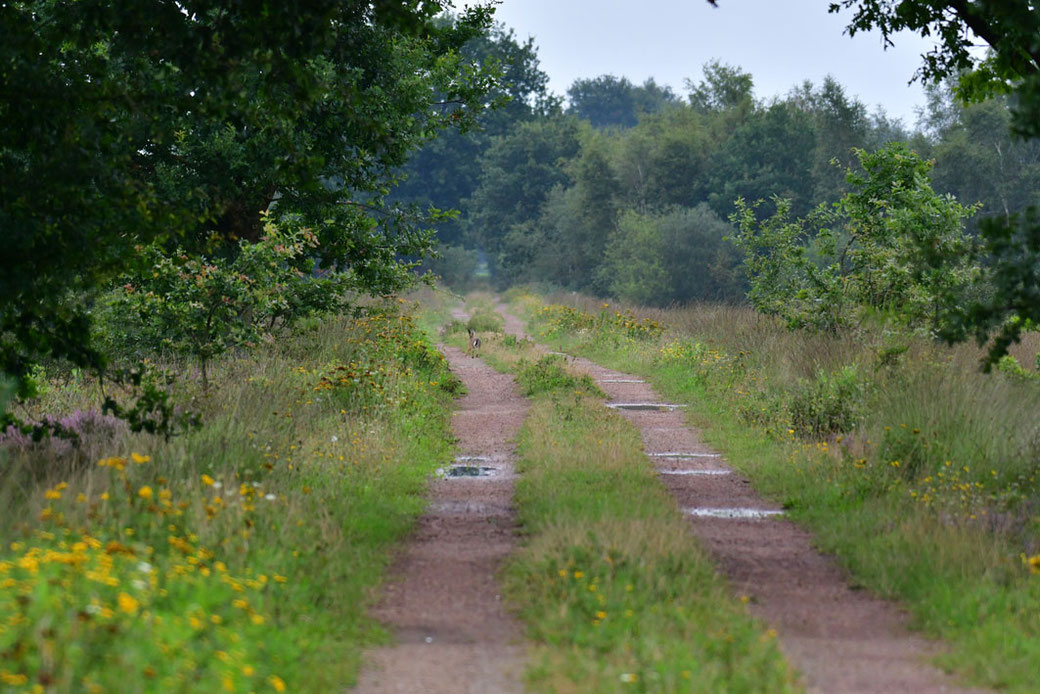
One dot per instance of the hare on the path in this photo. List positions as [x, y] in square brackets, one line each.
[474, 344]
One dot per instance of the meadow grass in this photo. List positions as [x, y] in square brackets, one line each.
[615, 592]
[239, 557]
[918, 472]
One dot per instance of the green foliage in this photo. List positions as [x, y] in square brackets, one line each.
[723, 88]
[455, 265]
[517, 173]
[890, 245]
[153, 409]
[204, 306]
[1008, 365]
[609, 101]
[550, 374]
[245, 553]
[606, 325]
[1011, 67]
[555, 223]
[649, 257]
[613, 588]
[485, 321]
[446, 171]
[118, 134]
[1012, 278]
[830, 404]
[1010, 27]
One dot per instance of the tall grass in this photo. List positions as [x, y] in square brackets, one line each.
[239, 557]
[917, 470]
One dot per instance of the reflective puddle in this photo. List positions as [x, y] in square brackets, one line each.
[622, 380]
[472, 459]
[463, 508]
[684, 456]
[695, 472]
[466, 471]
[469, 471]
[738, 513]
[658, 406]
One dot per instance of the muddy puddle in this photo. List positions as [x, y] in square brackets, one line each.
[647, 406]
[466, 471]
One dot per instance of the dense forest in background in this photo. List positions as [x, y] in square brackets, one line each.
[627, 190]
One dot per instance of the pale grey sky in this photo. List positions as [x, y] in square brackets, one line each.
[780, 42]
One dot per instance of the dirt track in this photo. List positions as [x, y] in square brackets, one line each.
[842, 640]
[452, 632]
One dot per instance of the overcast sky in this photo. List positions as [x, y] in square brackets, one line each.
[780, 42]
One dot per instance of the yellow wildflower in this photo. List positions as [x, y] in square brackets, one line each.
[140, 459]
[15, 679]
[127, 603]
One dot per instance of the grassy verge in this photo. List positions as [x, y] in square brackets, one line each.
[614, 590]
[903, 471]
[239, 557]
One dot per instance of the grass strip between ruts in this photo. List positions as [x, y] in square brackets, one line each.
[615, 592]
[961, 583]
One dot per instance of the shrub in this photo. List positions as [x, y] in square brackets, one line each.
[830, 404]
[548, 374]
[486, 322]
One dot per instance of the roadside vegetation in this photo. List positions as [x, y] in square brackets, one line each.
[915, 469]
[612, 586]
[237, 556]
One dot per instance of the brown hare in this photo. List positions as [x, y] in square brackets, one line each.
[474, 344]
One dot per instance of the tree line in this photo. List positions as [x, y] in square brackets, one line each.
[632, 190]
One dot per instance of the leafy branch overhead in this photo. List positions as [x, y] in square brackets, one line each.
[179, 123]
[1011, 29]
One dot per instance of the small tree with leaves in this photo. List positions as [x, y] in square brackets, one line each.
[890, 246]
[201, 307]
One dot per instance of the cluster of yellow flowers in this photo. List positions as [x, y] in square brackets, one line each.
[124, 597]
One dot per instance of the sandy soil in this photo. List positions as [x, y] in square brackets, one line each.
[443, 605]
[841, 639]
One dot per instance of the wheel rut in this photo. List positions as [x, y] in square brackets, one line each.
[839, 638]
[443, 604]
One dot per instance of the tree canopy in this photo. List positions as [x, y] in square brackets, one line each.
[179, 123]
[1010, 27]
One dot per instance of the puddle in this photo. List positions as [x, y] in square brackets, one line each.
[738, 513]
[472, 459]
[657, 406]
[695, 472]
[467, 471]
[622, 380]
[684, 456]
[462, 508]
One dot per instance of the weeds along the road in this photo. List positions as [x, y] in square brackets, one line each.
[614, 591]
[916, 470]
[239, 557]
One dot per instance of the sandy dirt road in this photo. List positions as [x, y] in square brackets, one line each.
[443, 604]
[840, 639]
